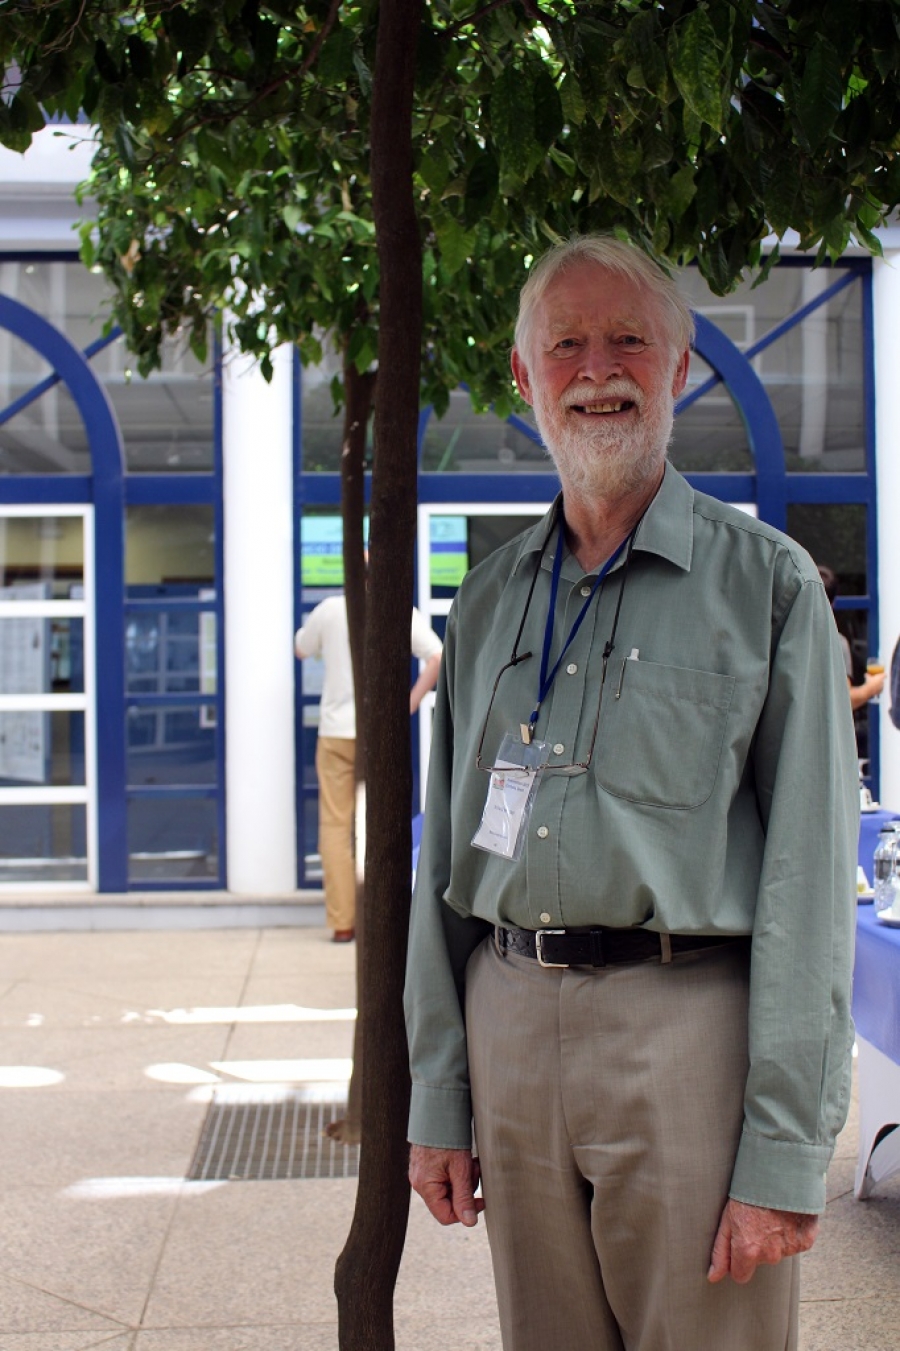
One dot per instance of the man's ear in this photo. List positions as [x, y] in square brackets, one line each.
[520, 375]
[679, 378]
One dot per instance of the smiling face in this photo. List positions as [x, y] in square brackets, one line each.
[600, 370]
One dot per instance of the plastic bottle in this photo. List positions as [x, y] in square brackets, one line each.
[886, 882]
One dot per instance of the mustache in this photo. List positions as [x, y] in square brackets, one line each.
[620, 389]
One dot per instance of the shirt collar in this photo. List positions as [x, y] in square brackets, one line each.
[668, 525]
[667, 528]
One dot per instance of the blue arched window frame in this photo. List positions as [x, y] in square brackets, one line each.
[110, 489]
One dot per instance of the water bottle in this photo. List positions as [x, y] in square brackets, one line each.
[885, 867]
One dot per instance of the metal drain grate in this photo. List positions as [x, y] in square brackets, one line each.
[262, 1141]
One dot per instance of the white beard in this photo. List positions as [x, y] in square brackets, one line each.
[604, 458]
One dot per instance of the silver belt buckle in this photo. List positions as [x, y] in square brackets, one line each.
[539, 947]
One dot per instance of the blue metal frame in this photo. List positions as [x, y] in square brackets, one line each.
[110, 490]
[107, 494]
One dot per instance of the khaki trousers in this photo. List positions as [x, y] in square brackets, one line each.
[335, 767]
[608, 1108]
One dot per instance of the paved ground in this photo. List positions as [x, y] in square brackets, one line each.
[111, 1045]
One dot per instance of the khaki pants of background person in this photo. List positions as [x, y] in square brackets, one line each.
[607, 1108]
[335, 767]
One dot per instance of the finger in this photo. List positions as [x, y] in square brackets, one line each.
[720, 1264]
[463, 1179]
[436, 1194]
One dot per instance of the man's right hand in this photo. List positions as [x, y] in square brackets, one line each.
[446, 1180]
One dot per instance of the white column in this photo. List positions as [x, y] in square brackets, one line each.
[259, 616]
[886, 307]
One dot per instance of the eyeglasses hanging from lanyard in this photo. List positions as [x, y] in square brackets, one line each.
[547, 676]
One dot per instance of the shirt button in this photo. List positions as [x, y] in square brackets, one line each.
[585, 590]
[545, 918]
[543, 832]
[571, 668]
[558, 748]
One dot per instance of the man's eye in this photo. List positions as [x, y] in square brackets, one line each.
[632, 340]
[567, 344]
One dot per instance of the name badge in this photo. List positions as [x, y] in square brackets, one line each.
[513, 786]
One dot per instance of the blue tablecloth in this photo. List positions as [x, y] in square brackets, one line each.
[876, 983]
[869, 825]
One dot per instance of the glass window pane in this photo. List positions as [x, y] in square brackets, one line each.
[835, 536]
[41, 843]
[463, 441]
[709, 435]
[42, 551]
[172, 839]
[171, 746]
[38, 656]
[312, 863]
[813, 374]
[46, 435]
[41, 748]
[170, 652]
[169, 550]
[166, 420]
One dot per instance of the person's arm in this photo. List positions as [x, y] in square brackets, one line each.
[800, 1031]
[870, 688]
[308, 638]
[427, 680]
[441, 940]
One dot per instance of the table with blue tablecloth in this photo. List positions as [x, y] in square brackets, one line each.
[876, 1012]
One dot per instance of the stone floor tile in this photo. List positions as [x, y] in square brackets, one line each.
[97, 1254]
[851, 1325]
[253, 1252]
[259, 1337]
[25, 1307]
[66, 1341]
[63, 1140]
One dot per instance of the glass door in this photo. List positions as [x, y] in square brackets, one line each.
[48, 809]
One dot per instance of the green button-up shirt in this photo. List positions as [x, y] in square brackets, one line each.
[721, 797]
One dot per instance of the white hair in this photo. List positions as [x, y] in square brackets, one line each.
[614, 255]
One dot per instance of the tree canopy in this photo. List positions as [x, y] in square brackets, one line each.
[233, 161]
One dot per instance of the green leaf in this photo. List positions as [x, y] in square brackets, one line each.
[572, 99]
[681, 191]
[456, 244]
[821, 92]
[696, 60]
[512, 120]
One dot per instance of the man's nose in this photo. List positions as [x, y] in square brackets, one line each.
[600, 361]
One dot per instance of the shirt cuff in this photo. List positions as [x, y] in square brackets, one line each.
[780, 1174]
[440, 1118]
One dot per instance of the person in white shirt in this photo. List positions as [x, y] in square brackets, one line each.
[325, 634]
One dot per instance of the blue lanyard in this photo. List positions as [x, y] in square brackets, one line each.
[547, 679]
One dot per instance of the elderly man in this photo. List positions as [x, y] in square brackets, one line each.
[632, 931]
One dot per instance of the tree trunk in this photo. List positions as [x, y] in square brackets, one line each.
[358, 394]
[367, 1268]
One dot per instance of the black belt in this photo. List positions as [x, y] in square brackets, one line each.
[599, 946]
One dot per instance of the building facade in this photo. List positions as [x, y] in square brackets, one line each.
[160, 541]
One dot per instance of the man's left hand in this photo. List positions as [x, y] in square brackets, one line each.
[750, 1236]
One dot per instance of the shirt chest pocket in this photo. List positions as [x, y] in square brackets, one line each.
[660, 741]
